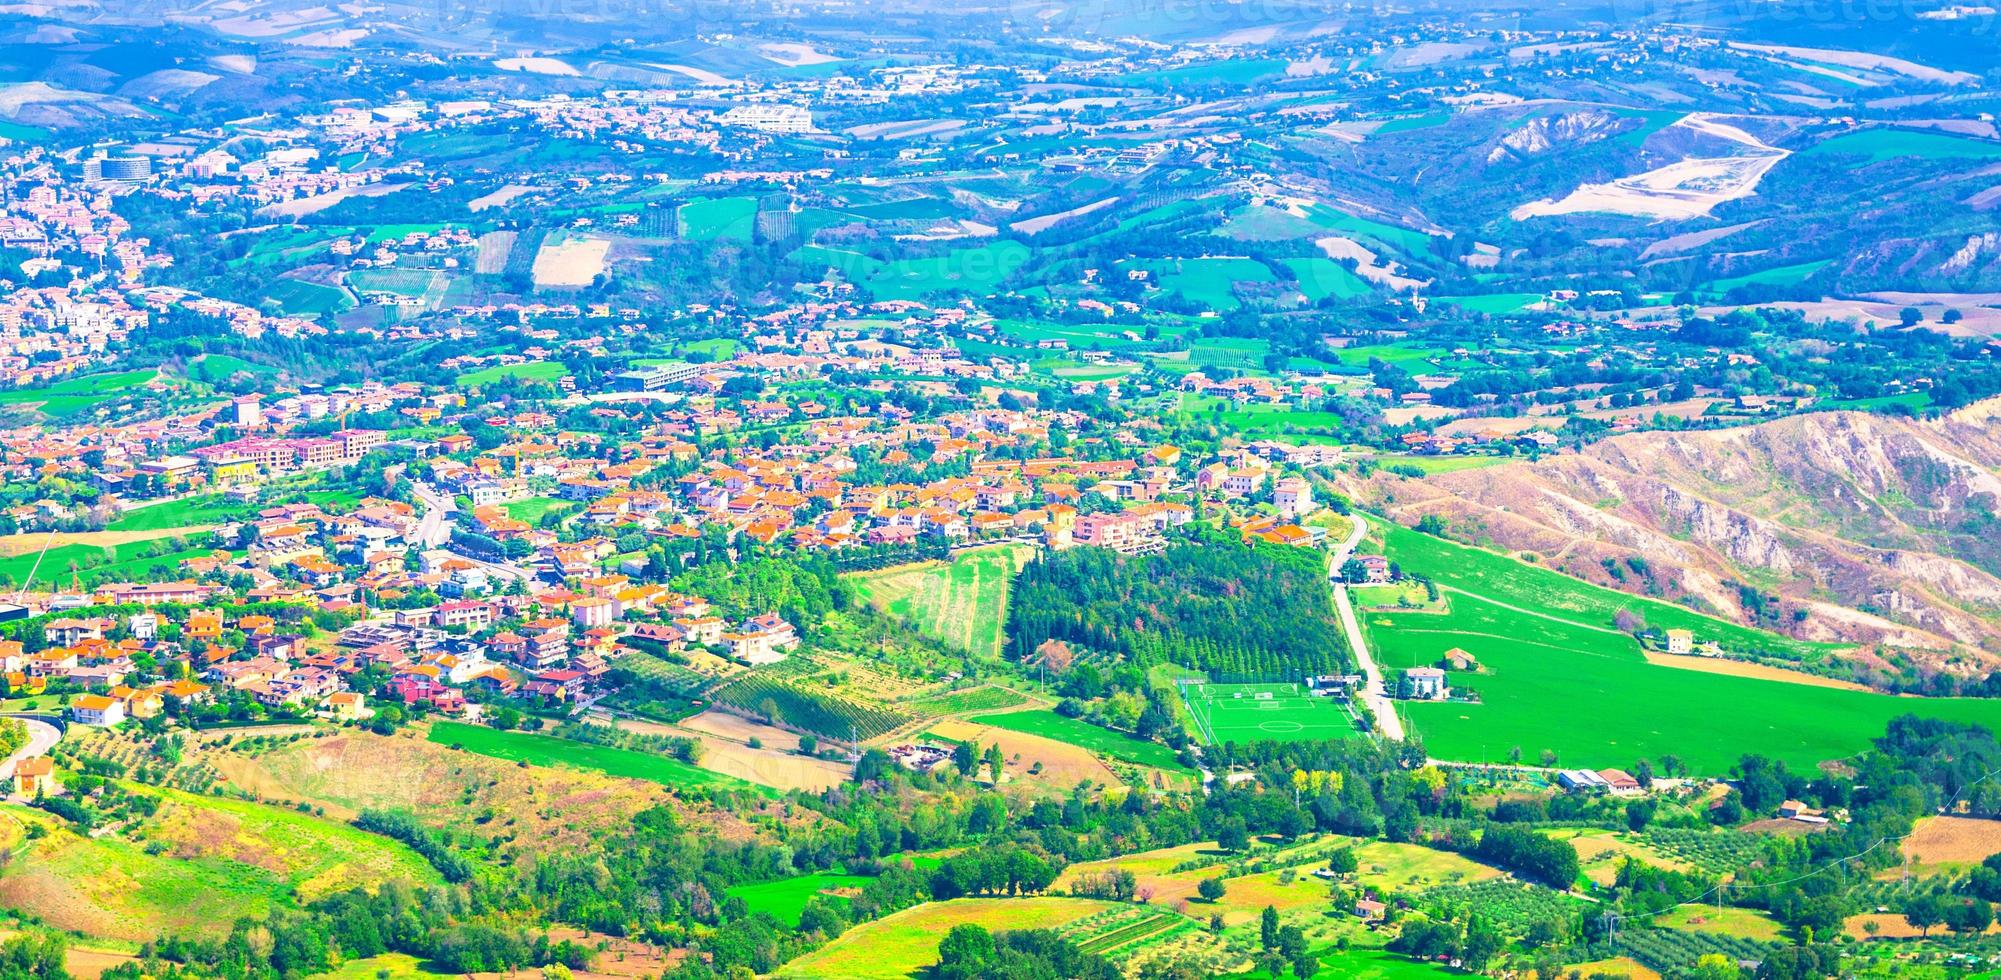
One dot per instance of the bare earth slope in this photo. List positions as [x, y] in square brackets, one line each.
[1878, 530]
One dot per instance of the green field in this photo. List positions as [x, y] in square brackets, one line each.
[787, 897]
[976, 270]
[547, 750]
[533, 509]
[963, 602]
[72, 395]
[1207, 282]
[1320, 278]
[1785, 275]
[716, 218]
[1103, 741]
[426, 284]
[903, 944]
[302, 298]
[217, 860]
[95, 564]
[1277, 712]
[1494, 303]
[1432, 465]
[215, 368]
[1557, 676]
[531, 371]
[1878, 145]
[210, 508]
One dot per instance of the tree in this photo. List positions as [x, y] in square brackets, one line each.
[1268, 928]
[1211, 889]
[1343, 861]
[965, 949]
[1923, 912]
[1910, 316]
[994, 762]
[1483, 943]
[1969, 916]
[1233, 835]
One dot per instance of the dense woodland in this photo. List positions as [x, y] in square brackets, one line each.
[1230, 610]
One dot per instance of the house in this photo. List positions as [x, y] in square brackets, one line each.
[1293, 497]
[1375, 568]
[1619, 781]
[35, 777]
[345, 706]
[1425, 684]
[1457, 659]
[1680, 642]
[1795, 810]
[96, 710]
[1370, 910]
[763, 640]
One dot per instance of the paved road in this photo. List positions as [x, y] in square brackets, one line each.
[42, 737]
[1374, 693]
[433, 530]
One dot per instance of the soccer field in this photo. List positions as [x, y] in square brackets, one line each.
[1276, 712]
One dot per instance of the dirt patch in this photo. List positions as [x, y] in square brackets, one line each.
[1624, 966]
[1740, 668]
[1940, 841]
[1062, 765]
[32, 542]
[570, 262]
[1890, 925]
[539, 808]
[725, 742]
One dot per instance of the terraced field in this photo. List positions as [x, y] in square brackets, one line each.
[962, 602]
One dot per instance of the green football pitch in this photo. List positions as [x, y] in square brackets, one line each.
[1278, 712]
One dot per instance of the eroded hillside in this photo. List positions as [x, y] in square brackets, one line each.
[1829, 526]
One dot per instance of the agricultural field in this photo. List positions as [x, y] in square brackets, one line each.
[132, 560]
[1942, 845]
[985, 698]
[1104, 741]
[1208, 282]
[72, 396]
[711, 219]
[532, 809]
[425, 284]
[1244, 713]
[570, 261]
[797, 707]
[193, 511]
[786, 898]
[1786, 275]
[217, 368]
[530, 371]
[1878, 145]
[962, 602]
[1037, 760]
[299, 297]
[195, 867]
[904, 944]
[1555, 679]
[546, 750]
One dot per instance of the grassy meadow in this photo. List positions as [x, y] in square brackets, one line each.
[1556, 676]
[962, 602]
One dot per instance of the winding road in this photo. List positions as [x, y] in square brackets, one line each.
[1374, 694]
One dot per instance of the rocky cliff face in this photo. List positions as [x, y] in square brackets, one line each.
[1864, 528]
